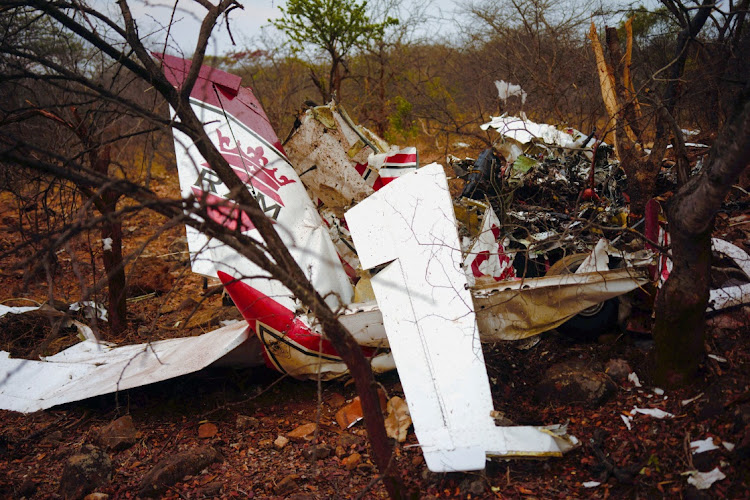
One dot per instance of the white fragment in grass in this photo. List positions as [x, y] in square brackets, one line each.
[591, 484]
[658, 392]
[633, 377]
[652, 412]
[627, 421]
[107, 244]
[717, 358]
[702, 445]
[704, 480]
[686, 402]
[728, 446]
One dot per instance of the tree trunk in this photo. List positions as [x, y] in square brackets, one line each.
[681, 304]
[112, 260]
[680, 308]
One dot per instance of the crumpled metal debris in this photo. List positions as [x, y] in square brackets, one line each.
[92, 368]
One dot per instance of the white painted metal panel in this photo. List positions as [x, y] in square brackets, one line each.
[429, 318]
[89, 369]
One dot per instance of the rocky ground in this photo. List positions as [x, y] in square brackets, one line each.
[246, 433]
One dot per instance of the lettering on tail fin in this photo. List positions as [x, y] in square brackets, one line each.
[207, 188]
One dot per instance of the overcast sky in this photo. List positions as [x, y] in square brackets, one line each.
[153, 16]
[245, 23]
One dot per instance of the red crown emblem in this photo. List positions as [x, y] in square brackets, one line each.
[249, 165]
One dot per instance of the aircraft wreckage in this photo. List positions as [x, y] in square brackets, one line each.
[378, 237]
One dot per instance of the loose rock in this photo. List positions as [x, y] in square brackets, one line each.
[346, 441]
[207, 430]
[618, 369]
[317, 452]
[352, 461]
[84, 472]
[475, 487]
[335, 400]
[244, 422]
[286, 485]
[280, 442]
[571, 382]
[304, 432]
[175, 467]
[118, 435]
[27, 489]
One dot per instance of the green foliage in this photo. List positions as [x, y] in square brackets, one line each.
[401, 119]
[336, 26]
[648, 23]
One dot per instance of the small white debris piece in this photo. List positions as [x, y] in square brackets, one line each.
[84, 332]
[15, 310]
[701, 445]
[704, 480]
[627, 421]
[90, 309]
[652, 412]
[633, 377]
[689, 133]
[107, 244]
[591, 484]
[507, 89]
[565, 441]
[658, 391]
[686, 402]
[728, 446]
[717, 358]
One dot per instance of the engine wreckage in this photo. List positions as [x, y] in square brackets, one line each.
[420, 279]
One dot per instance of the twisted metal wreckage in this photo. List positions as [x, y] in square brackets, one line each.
[424, 297]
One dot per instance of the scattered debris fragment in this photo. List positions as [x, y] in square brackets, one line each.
[350, 414]
[633, 377]
[704, 480]
[686, 402]
[90, 368]
[506, 90]
[398, 420]
[702, 446]
[652, 412]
